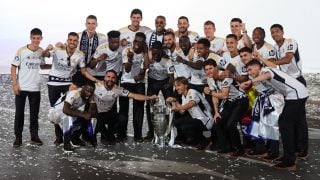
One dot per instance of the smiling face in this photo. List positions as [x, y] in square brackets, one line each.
[277, 34]
[87, 92]
[35, 40]
[232, 44]
[253, 70]
[160, 24]
[245, 57]
[180, 87]
[135, 19]
[210, 71]
[72, 42]
[110, 79]
[91, 25]
[258, 36]
[209, 30]
[183, 25]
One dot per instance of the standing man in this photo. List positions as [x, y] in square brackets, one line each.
[128, 32]
[183, 25]
[216, 43]
[238, 28]
[158, 33]
[293, 114]
[26, 83]
[288, 57]
[65, 63]
[134, 81]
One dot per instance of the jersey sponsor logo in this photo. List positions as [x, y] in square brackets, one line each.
[32, 65]
[271, 53]
[290, 47]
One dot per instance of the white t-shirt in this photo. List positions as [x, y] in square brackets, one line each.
[234, 92]
[64, 67]
[180, 69]
[217, 44]
[74, 99]
[193, 36]
[28, 63]
[106, 98]
[113, 61]
[160, 70]
[137, 65]
[128, 34]
[294, 68]
[285, 84]
[267, 51]
[196, 112]
[236, 62]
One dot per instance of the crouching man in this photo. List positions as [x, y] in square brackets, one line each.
[190, 127]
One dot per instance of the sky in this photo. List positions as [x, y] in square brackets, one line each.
[300, 19]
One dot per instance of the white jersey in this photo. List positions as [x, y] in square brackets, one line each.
[153, 37]
[217, 44]
[128, 34]
[267, 51]
[180, 69]
[285, 84]
[294, 68]
[196, 112]
[137, 65]
[64, 67]
[74, 99]
[234, 91]
[28, 63]
[106, 98]
[113, 61]
[193, 36]
[236, 62]
[160, 70]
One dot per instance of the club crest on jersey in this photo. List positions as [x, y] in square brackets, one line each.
[171, 69]
[244, 69]
[271, 53]
[17, 58]
[124, 91]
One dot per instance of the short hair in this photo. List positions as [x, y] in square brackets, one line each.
[254, 62]
[157, 45]
[162, 17]
[113, 34]
[245, 49]
[183, 17]
[73, 34]
[209, 23]
[210, 62]
[232, 36]
[236, 20]
[182, 80]
[92, 17]
[112, 71]
[204, 41]
[136, 11]
[260, 29]
[36, 31]
[169, 33]
[90, 83]
[142, 35]
[277, 26]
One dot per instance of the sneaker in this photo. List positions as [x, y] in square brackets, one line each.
[58, 141]
[67, 147]
[17, 142]
[302, 155]
[77, 142]
[257, 153]
[203, 145]
[237, 153]
[138, 139]
[149, 137]
[36, 141]
[286, 166]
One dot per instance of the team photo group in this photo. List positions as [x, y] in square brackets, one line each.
[236, 95]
